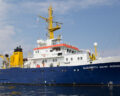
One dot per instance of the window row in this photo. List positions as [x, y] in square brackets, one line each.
[37, 51]
[55, 49]
[70, 51]
[45, 60]
[78, 58]
[63, 70]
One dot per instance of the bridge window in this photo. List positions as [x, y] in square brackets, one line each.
[57, 48]
[37, 51]
[59, 54]
[69, 51]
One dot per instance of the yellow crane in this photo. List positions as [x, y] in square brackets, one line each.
[5, 61]
[50, 22]
[15, 60]
[94, 55]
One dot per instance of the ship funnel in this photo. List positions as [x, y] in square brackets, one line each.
[95, 46]
[16, 60]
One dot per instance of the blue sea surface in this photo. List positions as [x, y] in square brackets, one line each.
[30, 90]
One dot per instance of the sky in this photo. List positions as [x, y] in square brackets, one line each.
[84, 22]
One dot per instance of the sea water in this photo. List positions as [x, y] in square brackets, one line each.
[25, 90]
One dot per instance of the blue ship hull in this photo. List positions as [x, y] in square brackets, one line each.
[107, 73]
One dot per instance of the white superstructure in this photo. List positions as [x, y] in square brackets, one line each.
[51, 53]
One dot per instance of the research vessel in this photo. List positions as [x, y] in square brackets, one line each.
[57, 63]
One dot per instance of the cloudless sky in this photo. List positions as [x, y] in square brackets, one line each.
[84, 22]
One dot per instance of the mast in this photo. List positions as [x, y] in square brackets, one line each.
[50, 22]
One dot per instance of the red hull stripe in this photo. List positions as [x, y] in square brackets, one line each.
[58, 45]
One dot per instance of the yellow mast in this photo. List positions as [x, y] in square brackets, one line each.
[49, 20]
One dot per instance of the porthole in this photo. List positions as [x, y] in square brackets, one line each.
[45, 60]
[54, 60]
[74, 70]
[81, 58]
[66, 59]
